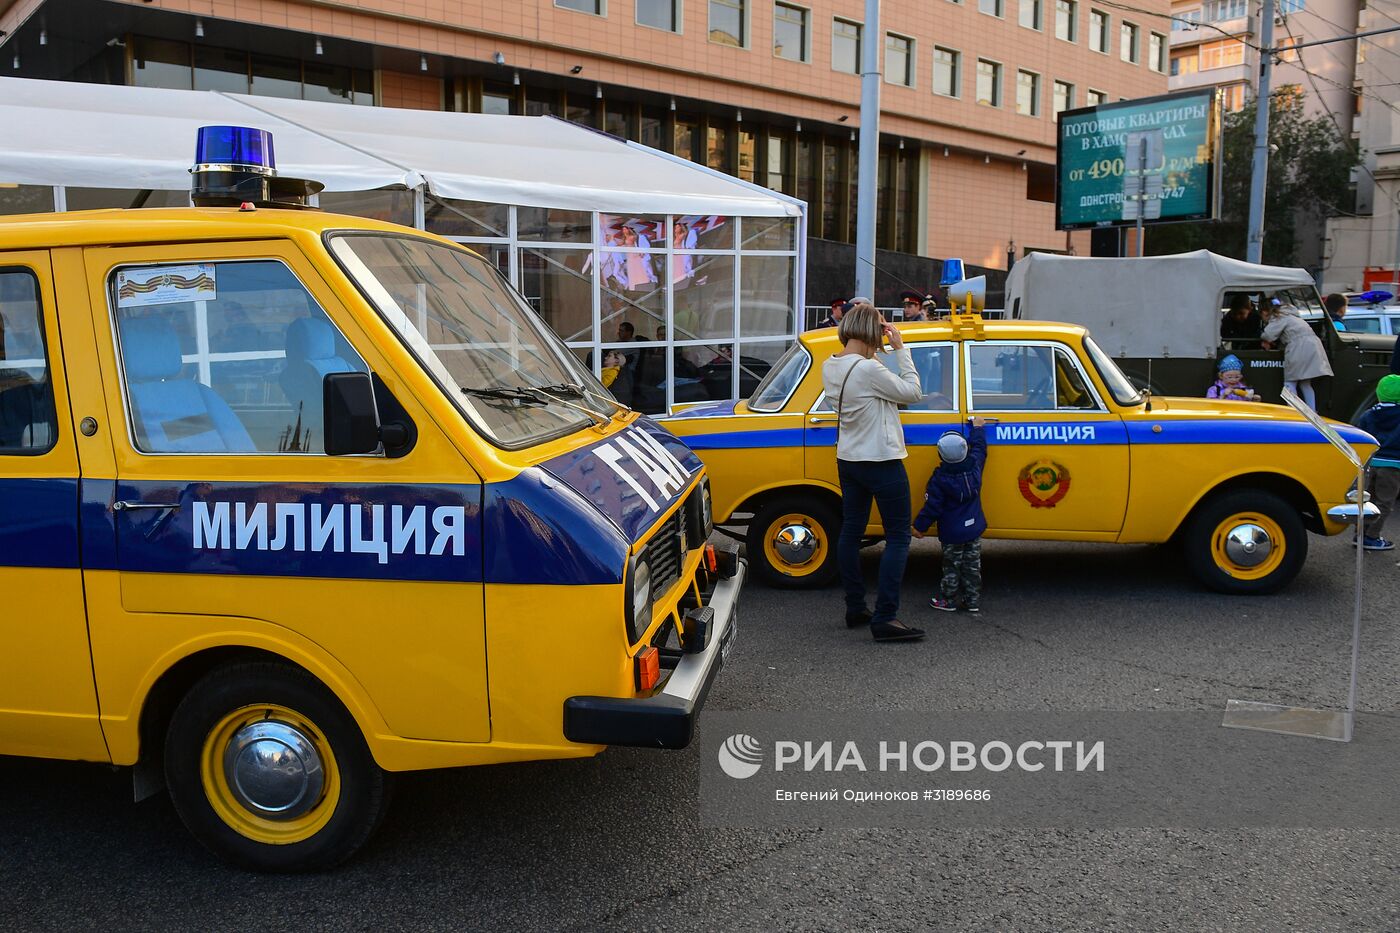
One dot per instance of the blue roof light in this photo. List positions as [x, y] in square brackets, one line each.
[246, 148]
[952, 272]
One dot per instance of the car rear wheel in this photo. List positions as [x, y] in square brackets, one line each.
[792, 542]
[270, 772]
[1245, 542]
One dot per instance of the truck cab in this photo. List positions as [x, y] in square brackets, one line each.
[292, 501]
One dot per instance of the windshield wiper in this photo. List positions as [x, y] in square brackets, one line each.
[505, 393]
[577, 391]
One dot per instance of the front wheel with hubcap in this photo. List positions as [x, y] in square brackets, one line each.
[792, 542]
[1245, 542]
[269, 771]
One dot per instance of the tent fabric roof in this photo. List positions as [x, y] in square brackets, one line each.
[1166, 306]
[110, 136]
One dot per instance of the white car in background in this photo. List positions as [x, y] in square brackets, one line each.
[1363, 319]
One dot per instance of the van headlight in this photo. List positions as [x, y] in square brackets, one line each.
[638, 598]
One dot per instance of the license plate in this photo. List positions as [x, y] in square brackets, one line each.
[730, 634]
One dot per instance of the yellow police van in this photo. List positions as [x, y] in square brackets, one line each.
[290, 501]
[1076, 452]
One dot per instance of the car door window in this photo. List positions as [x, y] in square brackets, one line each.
[1027, 377]
[937, 375]
[28, 420]
[225, 357]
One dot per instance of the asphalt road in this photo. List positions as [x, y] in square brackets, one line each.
[614, 842]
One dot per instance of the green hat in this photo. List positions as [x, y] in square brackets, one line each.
[1388, 389]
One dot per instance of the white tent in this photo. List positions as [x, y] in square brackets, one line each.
[1158, 306]
[111, 136]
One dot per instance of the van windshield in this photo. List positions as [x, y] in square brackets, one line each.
[483, 345]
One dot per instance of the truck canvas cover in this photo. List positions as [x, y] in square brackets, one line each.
[1153, 307]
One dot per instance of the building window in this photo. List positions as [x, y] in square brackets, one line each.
[1290, 6]
[1128, 43]
[1217, 11]
[988, 83]
[729, 22]
[660, 14]
[1288, 54]
[1030, 13]
[1028, 93]
[1157, 52]
[1067, 20]
[158, 63]
[991, 7]
[1185, 63]
[790, 24]
[1098, 31]
[1221, 54]
[595, 7]
[1186, 21]
[947, 72]
[899, 60]
[1093, 98]
[845, 46]
[1064, 97]
[1232, 98]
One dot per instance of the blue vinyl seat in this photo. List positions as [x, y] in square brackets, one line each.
[173, 414]
[311, 356]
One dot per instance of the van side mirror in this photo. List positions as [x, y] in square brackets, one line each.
[352, 421]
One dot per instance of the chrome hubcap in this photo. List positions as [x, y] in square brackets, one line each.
[795, 544]
[274, 770]
[1248, 545]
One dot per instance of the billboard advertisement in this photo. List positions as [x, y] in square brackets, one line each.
[1155, 155]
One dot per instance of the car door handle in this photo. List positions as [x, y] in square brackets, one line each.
[122, 505]
[831, 419]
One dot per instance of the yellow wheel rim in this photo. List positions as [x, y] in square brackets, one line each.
[273, 729]
[795, 544]
[1248, 546]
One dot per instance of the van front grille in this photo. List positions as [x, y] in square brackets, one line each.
[665, 552]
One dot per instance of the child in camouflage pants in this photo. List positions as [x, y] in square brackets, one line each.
[953, 499]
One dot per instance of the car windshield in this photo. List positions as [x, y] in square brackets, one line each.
[482, 344]
[776, 388]
[1302, 298]
[1119, 385]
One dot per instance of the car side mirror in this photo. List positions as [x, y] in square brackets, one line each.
[351, 419]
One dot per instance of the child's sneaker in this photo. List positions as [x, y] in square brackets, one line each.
[1377, 544]
[938, 602]
[972, 607]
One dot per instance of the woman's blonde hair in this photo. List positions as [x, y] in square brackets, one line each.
[861, 323]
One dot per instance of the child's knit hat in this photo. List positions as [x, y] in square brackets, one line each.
[1388, 389]
[952, 447]
[1230, 364]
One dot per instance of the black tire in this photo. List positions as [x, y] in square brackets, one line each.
[343, 824]
[820, 517]
[1202, 542]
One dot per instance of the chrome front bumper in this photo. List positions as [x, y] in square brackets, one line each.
[667, 719]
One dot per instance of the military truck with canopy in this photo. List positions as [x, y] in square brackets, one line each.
[1160, 318]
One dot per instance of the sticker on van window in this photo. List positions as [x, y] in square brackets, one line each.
[163, 285]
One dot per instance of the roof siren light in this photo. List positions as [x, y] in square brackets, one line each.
[235, 165]
[952, 272]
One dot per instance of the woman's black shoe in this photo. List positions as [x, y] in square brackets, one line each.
[858, 619]
[895, 631]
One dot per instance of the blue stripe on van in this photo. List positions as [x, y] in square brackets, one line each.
[539, 536]
[39, 523]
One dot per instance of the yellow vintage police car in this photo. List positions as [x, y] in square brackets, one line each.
[1075, 453]
[290, 501]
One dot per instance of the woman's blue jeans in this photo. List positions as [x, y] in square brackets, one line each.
[887, 484]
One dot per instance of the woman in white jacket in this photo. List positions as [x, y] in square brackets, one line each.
[1304, 357]
[870, 462]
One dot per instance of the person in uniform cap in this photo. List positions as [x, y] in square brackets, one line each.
[833, 317]
[915, 307]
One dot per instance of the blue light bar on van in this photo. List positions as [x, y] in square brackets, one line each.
[234, 149]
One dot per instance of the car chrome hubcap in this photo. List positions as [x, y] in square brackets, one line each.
[1248, 545]
[273, 769]
[795, 544]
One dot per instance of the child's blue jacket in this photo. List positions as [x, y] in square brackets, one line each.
[953, 497]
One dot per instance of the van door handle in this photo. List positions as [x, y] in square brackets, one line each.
[122, 505]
